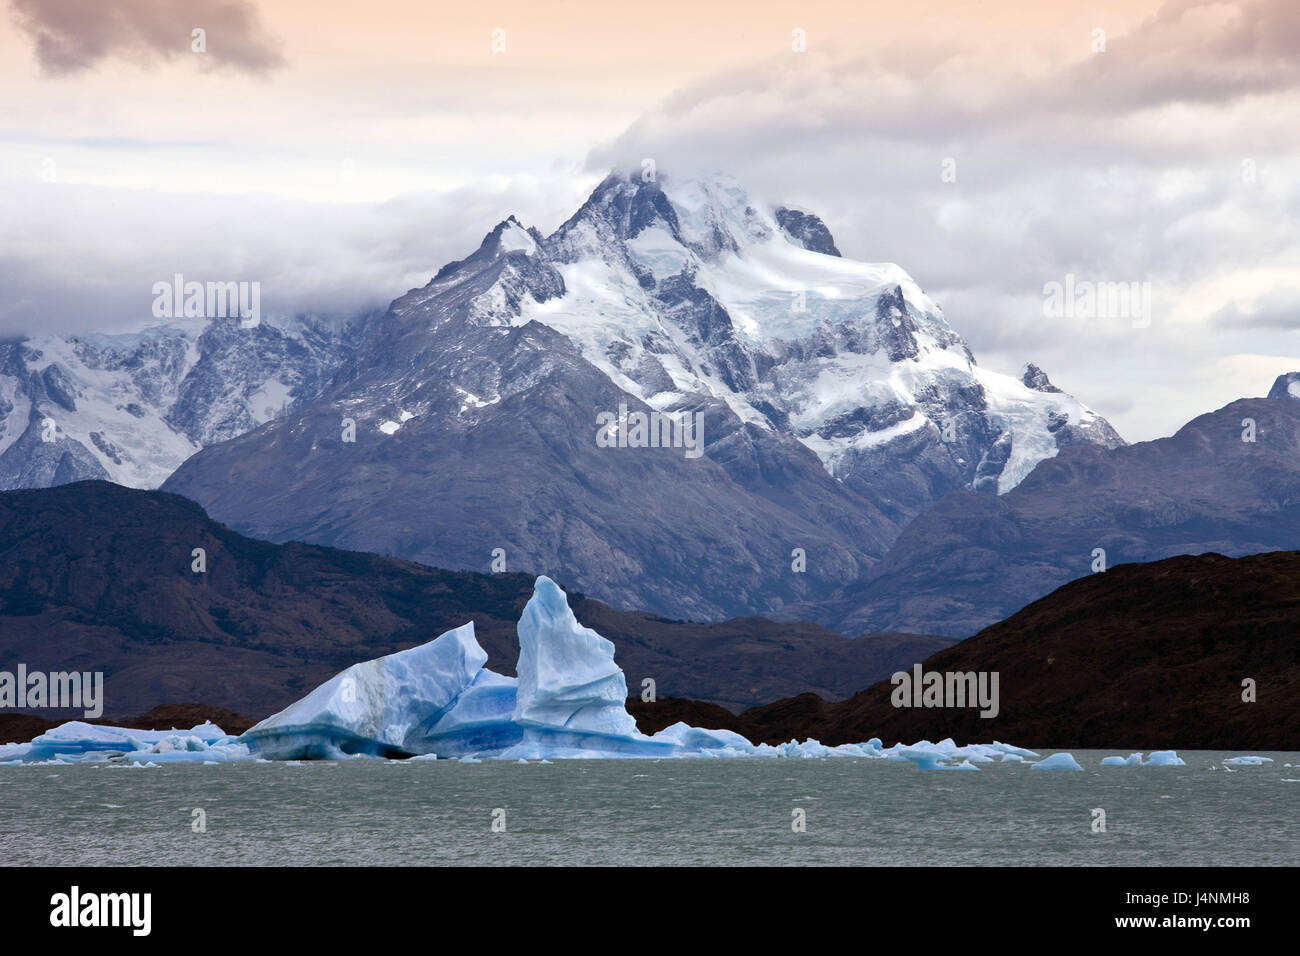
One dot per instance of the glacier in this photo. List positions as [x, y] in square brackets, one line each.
[439, 700]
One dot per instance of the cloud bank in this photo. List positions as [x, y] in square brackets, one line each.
[70, 36]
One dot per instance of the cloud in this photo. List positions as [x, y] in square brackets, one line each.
[77, 258]
[74, 35]
[1192, 52]
[1206, 51]
[1275, 309]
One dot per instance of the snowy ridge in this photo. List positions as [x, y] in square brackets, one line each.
[131, 406]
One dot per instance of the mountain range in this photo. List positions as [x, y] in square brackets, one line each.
[129, 407]
[854, 466]
[1227, 482]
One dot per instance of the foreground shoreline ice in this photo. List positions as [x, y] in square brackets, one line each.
[438, 700]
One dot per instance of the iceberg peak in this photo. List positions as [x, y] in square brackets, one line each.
[567, 675]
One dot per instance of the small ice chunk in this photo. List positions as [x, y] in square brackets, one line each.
[1060, 761]
[697, 739]
[1132, 760]
[1164, 758]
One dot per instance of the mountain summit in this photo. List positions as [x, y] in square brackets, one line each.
[830, 401]
[692, 292]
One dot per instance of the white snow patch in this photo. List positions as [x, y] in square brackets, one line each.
[514, 238]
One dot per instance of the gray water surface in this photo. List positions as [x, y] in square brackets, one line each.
[609, 812]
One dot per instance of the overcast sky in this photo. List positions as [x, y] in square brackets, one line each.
[339, 153]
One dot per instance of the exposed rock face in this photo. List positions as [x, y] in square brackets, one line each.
[1286, 386]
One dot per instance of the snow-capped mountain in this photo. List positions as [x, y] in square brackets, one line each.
[836, 403]
[131, 406]
[681, 291]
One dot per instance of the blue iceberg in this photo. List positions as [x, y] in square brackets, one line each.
[386, 707]
[1164, 758]
[1132, 760]
[1061, 761]
[77, 740]
[1158, 758]
[572, 696]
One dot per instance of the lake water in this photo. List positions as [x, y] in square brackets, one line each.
[857, 812]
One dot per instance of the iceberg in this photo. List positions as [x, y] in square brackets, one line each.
[571, 699]
[1132, 760]
[946, 755]
[1061, 761]
[1164, 758]
[1010, 750]
[928, 756]
[709, 743]
[1251, 761]
[381, 708]
[1158, 758]
[77, 740]
[567, 675]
